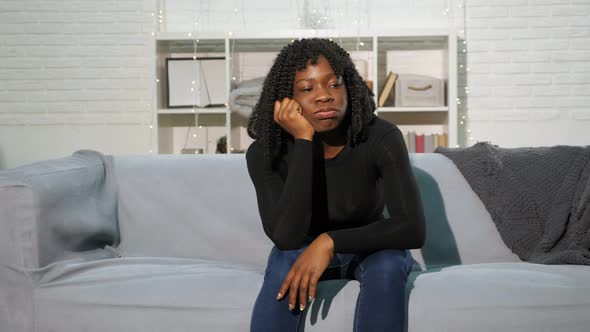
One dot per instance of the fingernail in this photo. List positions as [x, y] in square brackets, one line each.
[290, 306]
[301, 307]
[310, 299]
[279, 296]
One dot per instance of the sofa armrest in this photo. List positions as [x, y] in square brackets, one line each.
[57, 209]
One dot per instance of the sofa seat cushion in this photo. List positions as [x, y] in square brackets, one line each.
[147, 294]
[502, 297]
[169, 294]
[116, 294]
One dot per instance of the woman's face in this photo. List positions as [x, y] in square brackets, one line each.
[321, 94]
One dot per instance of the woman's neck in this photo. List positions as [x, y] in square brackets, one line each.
[333, 142]
[336, 137]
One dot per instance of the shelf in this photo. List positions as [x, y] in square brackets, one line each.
[258, 44]
[300, 33]
[190, 45]
[199, 110]
[249, 55]
[413, 109]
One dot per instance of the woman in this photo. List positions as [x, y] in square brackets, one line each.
[324, 167]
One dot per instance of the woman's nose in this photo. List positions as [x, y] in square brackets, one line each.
[324, 96]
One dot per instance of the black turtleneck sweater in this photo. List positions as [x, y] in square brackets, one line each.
[344, 196]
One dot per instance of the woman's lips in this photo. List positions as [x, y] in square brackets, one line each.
[326, 114]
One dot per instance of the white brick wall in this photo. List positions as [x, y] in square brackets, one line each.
[529, 72]
[74, 74]
[346, 16]
[78, 74]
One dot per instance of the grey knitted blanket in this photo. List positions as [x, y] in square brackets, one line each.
[538, 197]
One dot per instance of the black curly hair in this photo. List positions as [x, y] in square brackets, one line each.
[278, 84]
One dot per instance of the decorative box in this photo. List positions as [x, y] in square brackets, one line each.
[419, 90]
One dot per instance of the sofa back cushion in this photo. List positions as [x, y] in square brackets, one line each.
[57, 209]
[204, 206]
[197, 206]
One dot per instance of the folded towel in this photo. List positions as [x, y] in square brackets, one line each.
[243, 99]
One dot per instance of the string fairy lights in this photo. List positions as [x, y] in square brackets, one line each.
[311, 14]
[464, 70]
[461, 100]
[157, 21]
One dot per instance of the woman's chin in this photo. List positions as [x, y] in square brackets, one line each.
[326, 125]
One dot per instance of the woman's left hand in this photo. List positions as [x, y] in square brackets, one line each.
[303, 277]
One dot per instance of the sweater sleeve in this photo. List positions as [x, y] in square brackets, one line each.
[405, 228]
[284, 205]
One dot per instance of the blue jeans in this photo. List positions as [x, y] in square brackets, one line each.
[380, 304]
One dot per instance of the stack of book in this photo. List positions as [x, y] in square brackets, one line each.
[423, 143]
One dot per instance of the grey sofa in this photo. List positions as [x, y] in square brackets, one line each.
[174, 243]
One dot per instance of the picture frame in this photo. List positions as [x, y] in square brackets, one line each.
[196, 82]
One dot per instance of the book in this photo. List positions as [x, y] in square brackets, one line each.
[429, 143]
[436, 140]
[419, 143]
[442, 140]
[407, 141]
[386, 91]
[412, 142]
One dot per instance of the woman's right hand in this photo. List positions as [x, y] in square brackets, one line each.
[288, 114]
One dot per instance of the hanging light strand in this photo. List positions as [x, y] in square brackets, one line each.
[152, 105]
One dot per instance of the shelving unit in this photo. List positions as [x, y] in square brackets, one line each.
[250, 56]
[200, 110]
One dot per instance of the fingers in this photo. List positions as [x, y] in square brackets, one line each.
[291, 284]
[313, 283]
[302, 285]
[280, 109]
[286, 108]
[303, 291]
[276, 110]
[294, 291]
[285, 285]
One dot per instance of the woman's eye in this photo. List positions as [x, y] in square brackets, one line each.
[305, 89]
[336, 84]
